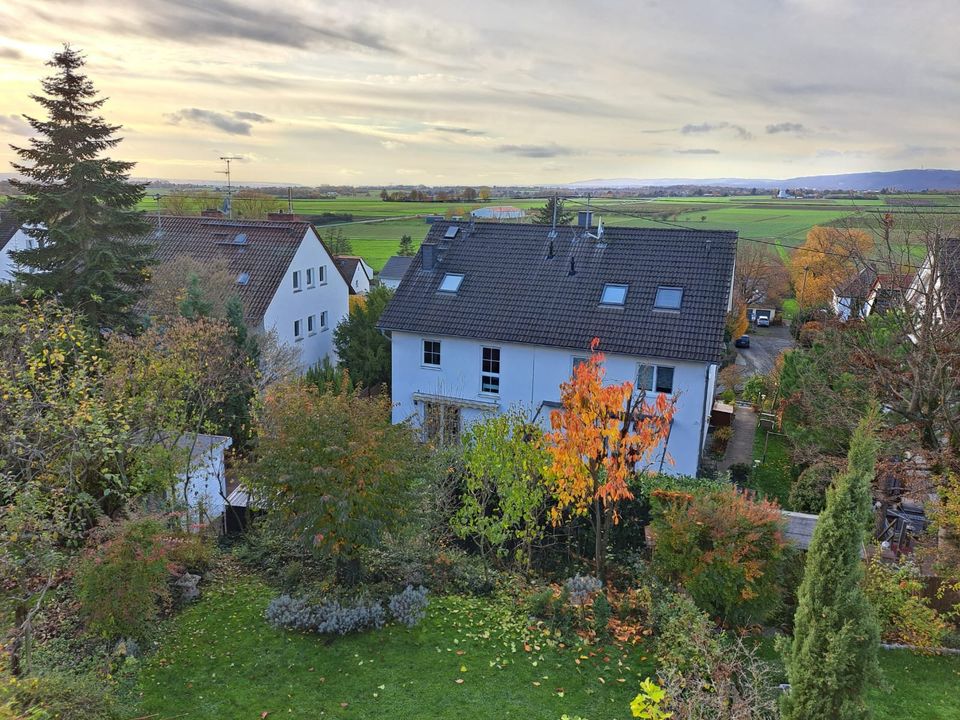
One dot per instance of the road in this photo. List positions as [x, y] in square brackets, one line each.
[766, 344]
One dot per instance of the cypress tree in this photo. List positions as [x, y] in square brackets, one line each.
[78, 206]
[544, 215]
[833, 655]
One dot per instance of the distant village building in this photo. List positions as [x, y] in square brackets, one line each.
[394, 270]
[491, 316]
[357, 272]
[498, 212]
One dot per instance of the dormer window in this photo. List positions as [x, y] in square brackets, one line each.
[613, 294]
[668, 298]
[450, 283]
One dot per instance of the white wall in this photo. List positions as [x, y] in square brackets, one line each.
[389, 282]
[203, 486]
[532, 374]
[288, 305]
[361, 278]
[19, 241]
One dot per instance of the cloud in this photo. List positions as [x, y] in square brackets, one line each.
[239, 122]
[535, 151]
[458, 130]
[785, 127]
[697, 151]
[10, 53]
[15, 124]
[706, 127]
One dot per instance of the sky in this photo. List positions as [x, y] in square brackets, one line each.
[523, 92]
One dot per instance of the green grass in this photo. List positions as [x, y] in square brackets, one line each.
[219, 659]
[790, 309]
[773, 477]
[918, 687]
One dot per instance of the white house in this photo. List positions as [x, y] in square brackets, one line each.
[357, 272]
[394, 270]
[12, 237]
[286, 278]
[202, 485]
[852, 298]
[493, 316]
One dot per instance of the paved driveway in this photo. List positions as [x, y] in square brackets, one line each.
[765, 345]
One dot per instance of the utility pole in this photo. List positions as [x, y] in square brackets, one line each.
[159, 215]
[803, 288]
[227, 159]
[290, 200]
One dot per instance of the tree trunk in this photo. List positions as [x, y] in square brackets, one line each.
[19, 640]
[600, 544]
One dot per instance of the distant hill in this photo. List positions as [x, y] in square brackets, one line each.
[903, 180]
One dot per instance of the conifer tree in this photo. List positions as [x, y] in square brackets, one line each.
[544, 215]
[78, 206]
[833, 655]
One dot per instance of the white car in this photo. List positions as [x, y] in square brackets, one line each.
[763, 321]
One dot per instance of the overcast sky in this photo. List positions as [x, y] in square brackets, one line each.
[503, 92]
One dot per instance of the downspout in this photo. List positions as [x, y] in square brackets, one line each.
[703, 418]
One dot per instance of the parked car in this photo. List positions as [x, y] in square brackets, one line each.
[763, 321]
[742, 342]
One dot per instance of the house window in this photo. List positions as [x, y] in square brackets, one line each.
[655, 378]
[579, 360]
[298, 329]
[323, 320]
[490, 370]
[311, 278]
[613, 294]
[322, 275]
[668, 298]
[431, 353]
[297, 287]
[450, 283]
[441, 423]
[312, 325]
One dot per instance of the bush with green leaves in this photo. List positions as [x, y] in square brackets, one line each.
[905, 615]
[601, 615]
[808, 493]
[122, 581]
[57, 696]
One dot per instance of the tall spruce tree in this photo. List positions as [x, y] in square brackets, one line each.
[544, 215]
[78, 206]
[833, 655]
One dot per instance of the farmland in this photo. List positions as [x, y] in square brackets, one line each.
[375, 226]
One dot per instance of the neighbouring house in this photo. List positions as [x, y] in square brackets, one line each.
[938, 280]
[357, 272]
[202, 485]
[12, 237]
[491, 316]
[755, 313]
[498, 212]
[394, 270]
[286, 277]
[851, 299]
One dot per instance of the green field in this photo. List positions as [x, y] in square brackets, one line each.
[377, 226]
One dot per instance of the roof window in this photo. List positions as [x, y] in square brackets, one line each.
[613, 294]
[243, 278]
[240, 239]
[451, 232]
[450, 283]
[668, 298]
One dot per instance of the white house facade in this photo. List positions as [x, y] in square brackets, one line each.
[495, 316]
[357, 272]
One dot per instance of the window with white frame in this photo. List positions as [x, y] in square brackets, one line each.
[297, 281]
[323, 320]
[451, 283]
[311, 325]
[322, 275]
[298, 329]
[431, 353]
[655, 378]
[613, 294]
[490, 370]
[311, 278]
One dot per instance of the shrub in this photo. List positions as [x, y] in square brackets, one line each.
[740, 473]
[684, 632]
[540, 603]
[721, 438]
[191, 551]
[57, 695]
[649, 702]
[724, 548]
[409, 607]
[809, 491]
[905, 616]
[581, 588]
[270, 550]
[122, 581]
[728, 396]
[755, 388]
[327, 618]
[601, 615]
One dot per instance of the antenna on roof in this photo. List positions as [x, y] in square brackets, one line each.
[599, 235]
[228, 202]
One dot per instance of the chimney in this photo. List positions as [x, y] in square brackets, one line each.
[585, 218]
[283, 217]
[429, 256]
[211, 213]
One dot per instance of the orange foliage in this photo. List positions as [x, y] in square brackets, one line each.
[828, 258]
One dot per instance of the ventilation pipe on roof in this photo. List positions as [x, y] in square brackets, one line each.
[573, 267]
[550, 251]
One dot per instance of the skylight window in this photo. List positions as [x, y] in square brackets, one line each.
[451, 232]
[450, 283]
[668, 298]
[613, 294]
[240, 239]
[243, 278]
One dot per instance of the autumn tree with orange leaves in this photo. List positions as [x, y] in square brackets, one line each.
[827, 259]
[601, 435]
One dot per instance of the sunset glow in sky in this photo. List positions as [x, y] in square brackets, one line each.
[495, 92]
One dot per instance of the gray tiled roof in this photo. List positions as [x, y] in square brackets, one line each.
[395, 267]
[512, 292]
[265, 255]
[8, 227]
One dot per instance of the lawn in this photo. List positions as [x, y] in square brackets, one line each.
[772, 478]
[219, 659]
